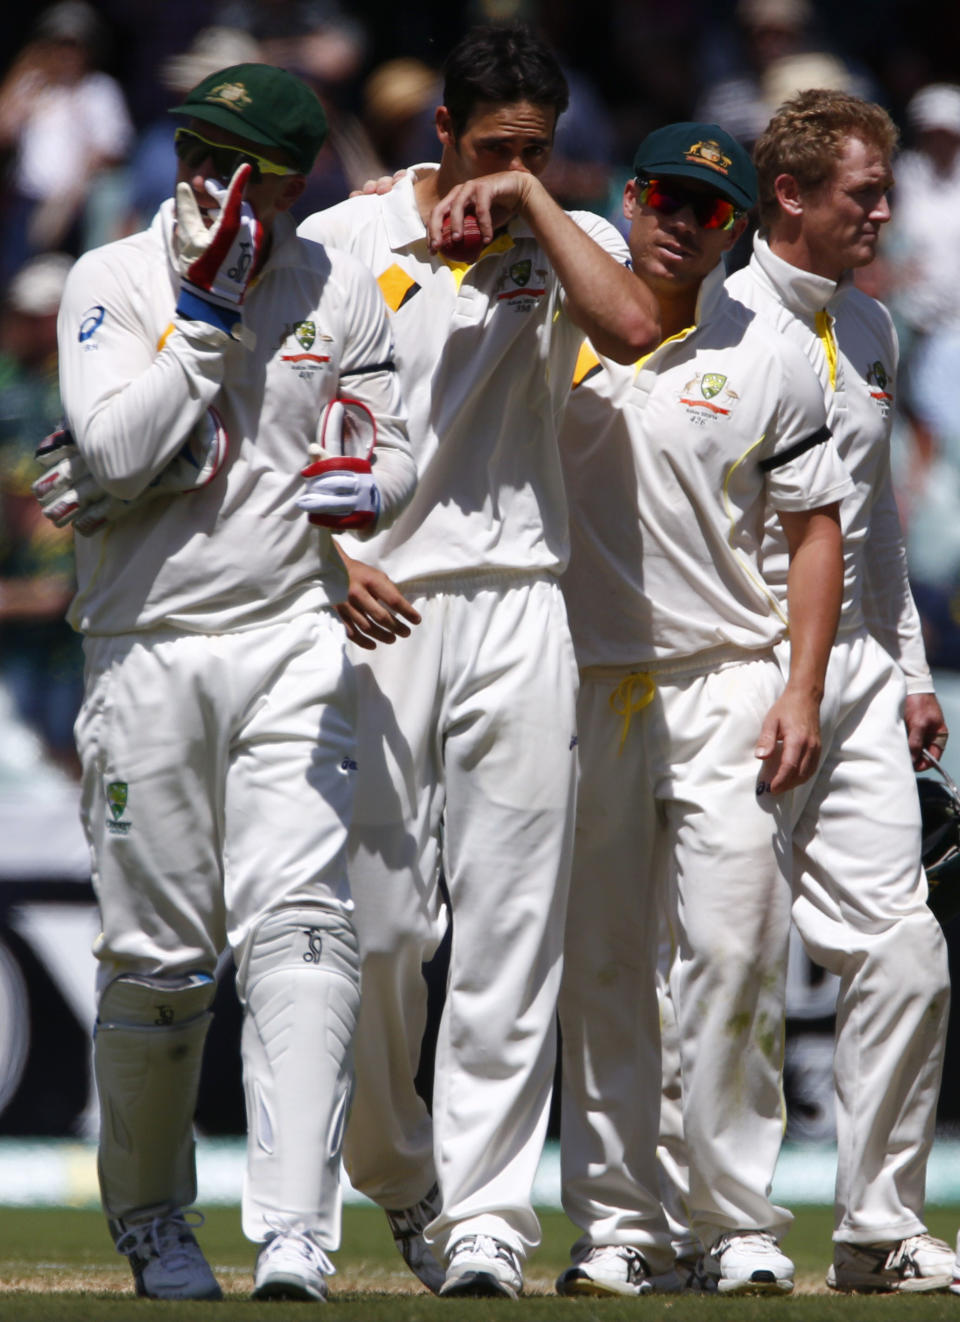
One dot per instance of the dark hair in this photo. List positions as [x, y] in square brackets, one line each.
[806, 137]
[503, 65]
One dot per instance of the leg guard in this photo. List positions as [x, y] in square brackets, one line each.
[299, 982]
[148, 1048]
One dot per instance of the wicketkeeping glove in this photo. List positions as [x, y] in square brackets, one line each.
[68, 493]
[340, 490]
[217, 264]
[340, 493]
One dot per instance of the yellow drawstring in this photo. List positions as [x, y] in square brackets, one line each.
[625, 700]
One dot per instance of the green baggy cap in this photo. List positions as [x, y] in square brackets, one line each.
[700, 151]
[265, 105]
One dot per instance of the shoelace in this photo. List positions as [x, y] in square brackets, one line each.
[303, 1241]
[485, 1246]
[752, 1240]
[636, 1262]
[903, 1256]
[163, 1238]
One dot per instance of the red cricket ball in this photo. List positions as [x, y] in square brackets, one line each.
[470, 244]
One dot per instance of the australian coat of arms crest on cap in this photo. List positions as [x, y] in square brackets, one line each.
[708, 152]
[233, 95]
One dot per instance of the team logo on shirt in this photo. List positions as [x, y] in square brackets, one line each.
[298, 348]
[514, 289]
[117, 801]
[305, 332]
[878, 380]
[708, 396]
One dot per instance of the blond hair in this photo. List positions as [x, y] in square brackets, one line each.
[806, 136]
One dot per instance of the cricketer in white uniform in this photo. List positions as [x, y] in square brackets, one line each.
[217, 733]
[681, 694]
[859, 888]
[467, 738]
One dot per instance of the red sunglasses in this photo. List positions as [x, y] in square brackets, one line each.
[712, 211]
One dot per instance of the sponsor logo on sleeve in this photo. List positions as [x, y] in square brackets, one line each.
[90, 323]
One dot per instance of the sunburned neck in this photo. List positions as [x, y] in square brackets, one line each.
[678, 310]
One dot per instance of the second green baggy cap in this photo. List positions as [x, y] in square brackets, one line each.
[265, 105]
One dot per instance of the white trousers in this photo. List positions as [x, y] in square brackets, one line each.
[235, 754]
[467, 765]
[218, 777]
[860, 907]
[677, 808]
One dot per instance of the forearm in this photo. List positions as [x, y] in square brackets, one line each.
[814, 596]
[129, 400]
[130, 436]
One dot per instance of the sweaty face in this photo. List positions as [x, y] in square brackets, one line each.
[267, 195]
[669, 251]
[515, 136]
[841, 219]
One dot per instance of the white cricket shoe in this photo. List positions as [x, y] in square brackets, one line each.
[608, 1269]
[481, 1267]
[919, 1263]
[166, 1259]
[955, 1282]
[746, 1262]
[407, 1226]
[291, 1265]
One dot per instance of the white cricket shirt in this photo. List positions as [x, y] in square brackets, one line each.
[670, 467]
[135, 378]
[849, 339]
[485, 355]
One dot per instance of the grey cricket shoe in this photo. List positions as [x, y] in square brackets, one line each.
[407, 1225]
[607, 1270]
[165, 1258]
[482, 1267]
[291, 1265]
[746, 1262]
[686, 1276]
[914, 1265]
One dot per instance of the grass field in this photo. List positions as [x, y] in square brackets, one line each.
[58, 1264]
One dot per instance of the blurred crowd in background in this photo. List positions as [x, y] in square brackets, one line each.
[86, 154]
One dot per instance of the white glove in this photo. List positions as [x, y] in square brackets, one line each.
[340, 493]
[216, 264]
[68, 493]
